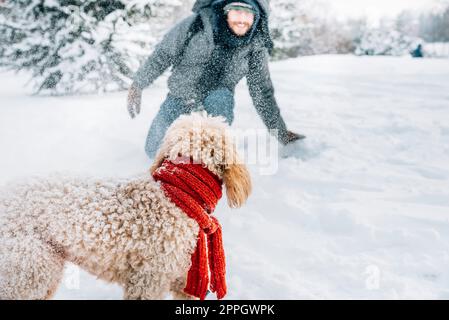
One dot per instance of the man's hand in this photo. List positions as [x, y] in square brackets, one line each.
[292, 137]
[134, 100]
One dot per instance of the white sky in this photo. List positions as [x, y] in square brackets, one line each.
[374, 9]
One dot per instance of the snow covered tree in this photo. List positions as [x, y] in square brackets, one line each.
[290, 28]
[75, 46]
[434, 27]
[307, 27]
[407, 23]
[384, 41]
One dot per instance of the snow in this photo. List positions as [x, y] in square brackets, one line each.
[361, 209]
[437, 49]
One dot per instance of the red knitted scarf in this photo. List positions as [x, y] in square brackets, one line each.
[196, 191]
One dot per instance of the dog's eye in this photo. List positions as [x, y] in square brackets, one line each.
[212, 153]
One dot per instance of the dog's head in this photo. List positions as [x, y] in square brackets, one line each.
[204, 139]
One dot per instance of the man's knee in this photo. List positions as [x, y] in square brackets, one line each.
[151, 152]
[220, 96]
[169, 111]
[220, 102]
[172, 108]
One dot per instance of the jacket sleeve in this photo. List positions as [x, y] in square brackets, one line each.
[164, 55]
[262, 92]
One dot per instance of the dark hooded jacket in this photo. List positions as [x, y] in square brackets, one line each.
[192, 59]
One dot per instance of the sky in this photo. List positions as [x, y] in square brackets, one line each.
[374, 9]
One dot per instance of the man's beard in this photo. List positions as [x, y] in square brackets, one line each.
[246, 26]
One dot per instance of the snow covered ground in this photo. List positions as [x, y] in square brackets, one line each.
[360, 211]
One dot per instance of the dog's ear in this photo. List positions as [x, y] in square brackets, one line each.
[236, 177]
[238, 184]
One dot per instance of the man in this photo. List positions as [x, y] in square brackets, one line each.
[210, 52]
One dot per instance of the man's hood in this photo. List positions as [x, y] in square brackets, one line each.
[264, 6]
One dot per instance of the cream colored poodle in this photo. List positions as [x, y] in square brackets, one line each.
[127, 231]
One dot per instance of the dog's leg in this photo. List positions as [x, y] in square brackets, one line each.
[177, 290]
[147, 285]
[28, 269]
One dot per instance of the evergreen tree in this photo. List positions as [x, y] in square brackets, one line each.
[434, 27]
[303, 28]
[290, 29]
[385, 41]
[75, 46]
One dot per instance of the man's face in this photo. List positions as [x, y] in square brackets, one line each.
[240, 21]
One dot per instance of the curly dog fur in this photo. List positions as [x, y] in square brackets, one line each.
[126, 231]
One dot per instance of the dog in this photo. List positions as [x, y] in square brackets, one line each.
[123, 231]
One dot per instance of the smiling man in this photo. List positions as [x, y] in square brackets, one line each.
[210, 52]
[240, 17]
